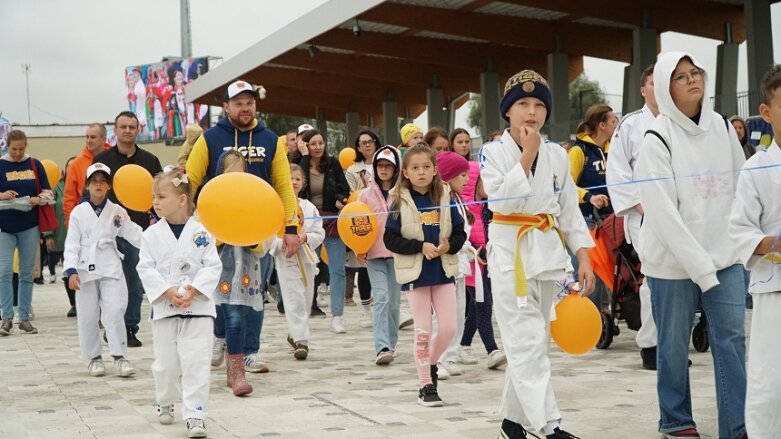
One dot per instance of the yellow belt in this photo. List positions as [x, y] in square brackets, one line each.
[526, 222]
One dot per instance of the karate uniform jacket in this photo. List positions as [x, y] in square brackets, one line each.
[91, 246]
[167, 262]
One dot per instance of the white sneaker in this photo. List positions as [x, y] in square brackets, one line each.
[442, 373]
[96, 367]
[366, 319]
[337, 325]
[195, 427]
[218, 352]
[452, 368]
[405, 319]
[165, 414]
[465, 355]
[253, 363]
[123, 368]
[322, 302]
[323, 290]
[496, 358]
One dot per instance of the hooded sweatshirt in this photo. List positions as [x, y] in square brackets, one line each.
[690, 187]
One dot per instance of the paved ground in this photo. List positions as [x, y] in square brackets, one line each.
[45, 391]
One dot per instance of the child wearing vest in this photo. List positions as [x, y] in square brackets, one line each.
[425, 233]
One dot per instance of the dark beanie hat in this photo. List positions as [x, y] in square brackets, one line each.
[524, 84]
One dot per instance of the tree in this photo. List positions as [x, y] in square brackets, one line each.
[583, 93]
[475, 116]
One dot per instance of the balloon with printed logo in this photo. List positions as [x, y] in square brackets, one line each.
[578, 325]
[240, 209]
[347, 157]
[357, 225]
[132, 185]
[52, 172]
[354, 196]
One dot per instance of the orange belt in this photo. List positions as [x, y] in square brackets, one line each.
[526, 222]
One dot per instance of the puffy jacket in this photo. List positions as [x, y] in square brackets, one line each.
[477, 233]
[372, 196]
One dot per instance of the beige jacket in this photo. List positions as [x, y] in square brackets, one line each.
[408, 267]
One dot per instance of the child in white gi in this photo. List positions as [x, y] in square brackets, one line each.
[425, 233]
[535, 206]
[297, 274]
[179, 268]
[755, 227]
[93, 266]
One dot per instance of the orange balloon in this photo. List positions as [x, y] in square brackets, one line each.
[52, 172]
[133, 187]
[354, 196]
[357, 225]
[578, 325]
[347, 157]
[240, 209]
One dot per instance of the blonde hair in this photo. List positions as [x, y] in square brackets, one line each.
[179, 181]
[435, 189]
[295, 168]
[230, 158]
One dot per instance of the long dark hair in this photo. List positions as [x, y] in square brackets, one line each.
[306, 137]
[358, 155]
[453, 135]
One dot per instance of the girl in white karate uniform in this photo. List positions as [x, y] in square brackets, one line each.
[535, 206]
[755, 226]
[180, 268]
[93, 266]
[297, 274]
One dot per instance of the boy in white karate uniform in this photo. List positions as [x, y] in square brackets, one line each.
[93, 265]
[755, 227]
[535, 206]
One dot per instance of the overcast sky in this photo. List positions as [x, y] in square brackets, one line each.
[78, 49]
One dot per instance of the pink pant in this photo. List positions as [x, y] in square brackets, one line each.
[427, 349]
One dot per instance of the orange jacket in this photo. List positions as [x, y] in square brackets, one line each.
[75, 180]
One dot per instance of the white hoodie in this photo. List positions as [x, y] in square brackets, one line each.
[690, 189]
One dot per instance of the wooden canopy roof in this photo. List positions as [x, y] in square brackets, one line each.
[405, 46]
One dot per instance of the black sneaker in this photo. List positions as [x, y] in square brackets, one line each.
[649, 358]
[511, 430]
[561, 434]
[317, 312]
[281, 307]
[434, 375]
[38, 280]
[428, 397]
[71, 312]
[132, 340]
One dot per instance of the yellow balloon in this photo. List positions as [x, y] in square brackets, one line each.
[354, 196]
[347, 157]
[52, 172]
[240, 209]
[357, 225]
[132, 185]
[578, 325]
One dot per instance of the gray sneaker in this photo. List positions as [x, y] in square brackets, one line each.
[123, 368]
[27, 327]
[5, 327]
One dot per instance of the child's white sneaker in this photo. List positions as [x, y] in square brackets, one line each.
[465, 355]
[337, 325]
[322, 302]
[123, 368]
[165, 414]
[96, 367]
[450, 368]
[366, 319]
[218, 352]
[195, 427]
[496, 358]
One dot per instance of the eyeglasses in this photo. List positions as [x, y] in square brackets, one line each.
[683, 78]
[366, 142]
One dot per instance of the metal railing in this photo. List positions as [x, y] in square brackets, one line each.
[745, 104]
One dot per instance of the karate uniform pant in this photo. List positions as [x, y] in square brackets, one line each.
[763, 392]
[646, 335]
[451, 353]
[103, 300]
[528, 397]
[183, 347]
[298, 297]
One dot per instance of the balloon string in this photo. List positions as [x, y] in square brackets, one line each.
[588, 188]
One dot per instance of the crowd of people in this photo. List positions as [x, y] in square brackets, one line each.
[464, 237]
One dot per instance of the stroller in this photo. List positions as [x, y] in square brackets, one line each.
[616, 262]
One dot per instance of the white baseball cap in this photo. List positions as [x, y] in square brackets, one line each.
[304, 128]
[238, 88]
[98, 167]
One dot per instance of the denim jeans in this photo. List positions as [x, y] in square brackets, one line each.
[27, 243]
[253, 319]
[387, 297]
[236, 321]
[135, 290]
[337, 258]
[674, 303]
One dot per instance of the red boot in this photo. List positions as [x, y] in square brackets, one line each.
[236, 379]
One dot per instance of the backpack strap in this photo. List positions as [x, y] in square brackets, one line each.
[658, 136]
